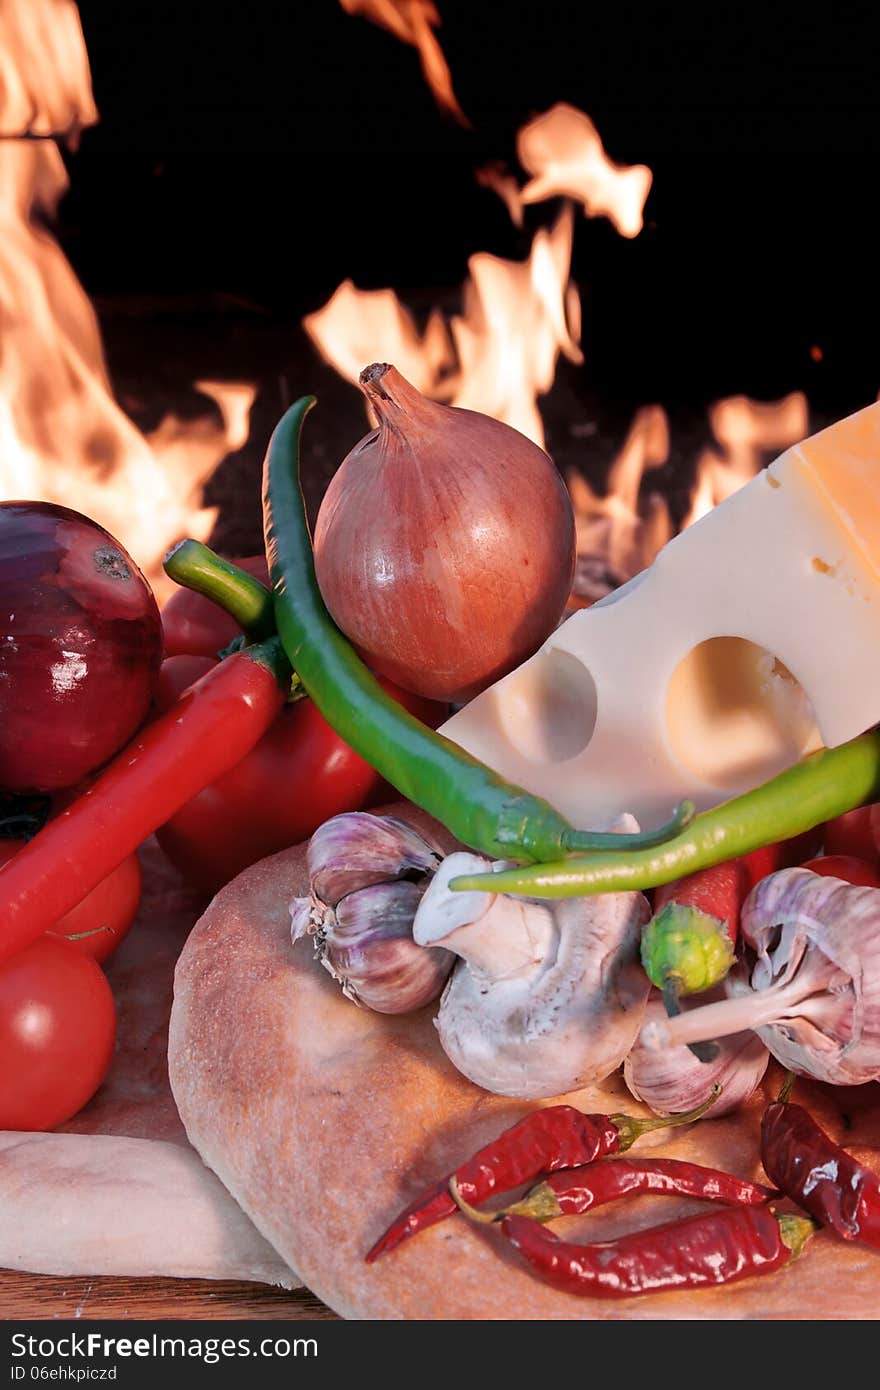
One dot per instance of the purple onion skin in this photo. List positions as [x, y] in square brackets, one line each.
[80, 647]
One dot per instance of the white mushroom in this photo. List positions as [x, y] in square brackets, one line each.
[547, 997]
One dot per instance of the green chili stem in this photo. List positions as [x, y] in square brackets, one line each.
[822, 786]
[249, 602]
[795, 1231]
[785, 1089]
[578, 841]
[629, 1129]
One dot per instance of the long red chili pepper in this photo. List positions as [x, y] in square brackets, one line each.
[594, 1185]
[559, 1136]
[718, 1248]
[824, 1179]
[210, 728]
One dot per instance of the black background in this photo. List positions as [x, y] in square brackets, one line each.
[272, 149]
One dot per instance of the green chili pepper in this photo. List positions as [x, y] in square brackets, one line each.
[473, 802]
[822, 786]
[241, 595]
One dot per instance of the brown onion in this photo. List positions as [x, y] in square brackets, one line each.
[444, 546]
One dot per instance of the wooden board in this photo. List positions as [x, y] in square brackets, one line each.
[27, 1297]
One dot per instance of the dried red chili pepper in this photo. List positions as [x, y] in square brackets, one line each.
[718, 1248]
[573, 1193]
[558, 1136]
[821, 1177]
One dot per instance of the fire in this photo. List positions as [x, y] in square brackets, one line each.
[45, 87]
[496, 356]
[414, 22]
[63, 438]
[620, 534]
[617, 536]
[562, 151]
[749, 432]
[516, 320]
[500, 353]
[356, 327]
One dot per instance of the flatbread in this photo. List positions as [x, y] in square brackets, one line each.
[324, 1120]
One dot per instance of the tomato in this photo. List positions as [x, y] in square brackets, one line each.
[57, 1031]
[847, 867]
[852, 834]
[194, 626]
[176, 675]
[299, 775]
[761, 862]
[105, 915]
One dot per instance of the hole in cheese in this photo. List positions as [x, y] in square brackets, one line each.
[735, 715]
[548, 709]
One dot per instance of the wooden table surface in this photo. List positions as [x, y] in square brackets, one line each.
[31, 1296]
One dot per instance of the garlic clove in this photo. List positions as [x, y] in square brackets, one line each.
[367, 945]
[302, 918]
[675, 1080]
[355, 849]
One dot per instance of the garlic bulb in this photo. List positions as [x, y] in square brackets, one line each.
[813, 991]
[444, 545]
[361, 908]
[674, 1079]
[548, 997]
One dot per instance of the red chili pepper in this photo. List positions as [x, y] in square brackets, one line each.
[571, 1194]
[214, 724]
[821, 1177]
[718, 1248]
[555, 1137]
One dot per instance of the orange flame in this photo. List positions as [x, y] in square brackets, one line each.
[749, 432]
[496, 356]
[356, 327]
[616, 535]
[517, 318]
[62, 437]
[414, 22]
[561, 149]
[45, 85]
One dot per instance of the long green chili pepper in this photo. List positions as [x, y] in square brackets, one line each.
[822, 786]
[473, 802]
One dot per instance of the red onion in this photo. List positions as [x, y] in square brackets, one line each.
[80, 646]
[444, 546]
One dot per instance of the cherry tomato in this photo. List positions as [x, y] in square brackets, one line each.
[57, 1031]
[299, 775]
[105, 915]
[761, 862]
[852, 834]
[177, 674]
[98, 924]
[847, 867]
[194, 626]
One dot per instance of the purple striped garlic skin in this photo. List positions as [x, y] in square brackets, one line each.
[817, 942]
[674, 1080]
[367, 875]
[809, 986]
